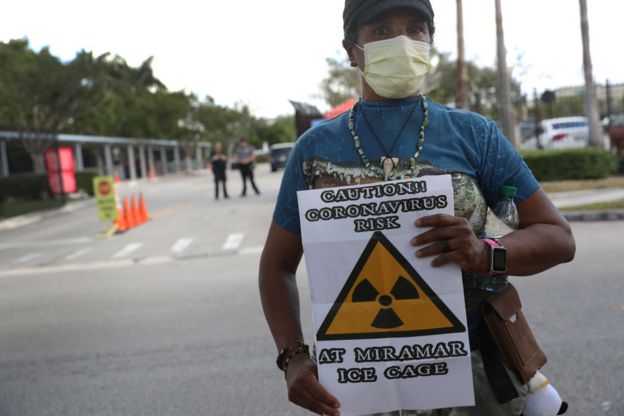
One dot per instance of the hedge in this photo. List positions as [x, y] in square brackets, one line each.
[26, 187]
[84, 181]
[585, 163]
[33, 187]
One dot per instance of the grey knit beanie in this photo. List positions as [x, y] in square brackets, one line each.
[358, 12]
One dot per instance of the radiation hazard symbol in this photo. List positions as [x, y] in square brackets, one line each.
[386, 297]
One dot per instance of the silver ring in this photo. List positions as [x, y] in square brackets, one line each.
[446, 247]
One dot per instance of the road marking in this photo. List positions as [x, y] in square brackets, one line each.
[78, 253]
[251, 250]
[181, 245]
[81, 267]
[27, 257]
[68, 268]
[156, 260]
[127, 250]
[233, 242]
[19, 244]
[162, 213]
[19, 222]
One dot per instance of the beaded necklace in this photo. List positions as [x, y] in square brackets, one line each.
[385, 170]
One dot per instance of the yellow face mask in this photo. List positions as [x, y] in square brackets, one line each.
[395, 68]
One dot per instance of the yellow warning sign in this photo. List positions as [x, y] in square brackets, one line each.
[386, 297]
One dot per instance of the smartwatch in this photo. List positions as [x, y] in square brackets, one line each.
[498, 256]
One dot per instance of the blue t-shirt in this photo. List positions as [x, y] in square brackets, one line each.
[455, 141]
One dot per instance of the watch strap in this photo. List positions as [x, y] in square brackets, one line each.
[493, 243]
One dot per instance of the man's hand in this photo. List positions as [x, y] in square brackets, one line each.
[305, 390]
[452, 240]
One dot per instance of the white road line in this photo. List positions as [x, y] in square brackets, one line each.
[68, 268]
[48, 243]
[127, 250]
[78, 253]
[251, 250]
[233, 242]
[181, 245]
[27, 257]
[19, 222]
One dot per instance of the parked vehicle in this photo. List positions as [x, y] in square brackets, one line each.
[564, 133]
[615, 129]
[278, 155]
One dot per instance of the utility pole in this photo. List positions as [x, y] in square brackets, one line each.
[536, 115]
[503, 93]
[461, 100]
[609, 100]
[591, 103]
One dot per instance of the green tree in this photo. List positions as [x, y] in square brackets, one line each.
[280, 130]
[40, 96]
[342, 82]
[481, 86]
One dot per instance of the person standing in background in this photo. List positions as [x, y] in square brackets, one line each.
[245, 156]
[218, 162]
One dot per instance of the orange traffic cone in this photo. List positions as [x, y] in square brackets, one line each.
[117, 179]
[135, 212]
[130, 220]
[120, 222]
[143, 209]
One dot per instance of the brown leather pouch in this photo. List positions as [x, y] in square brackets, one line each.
[503, 316]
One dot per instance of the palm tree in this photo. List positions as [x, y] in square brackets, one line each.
[591, 106]
[462, 72]
[503, 94]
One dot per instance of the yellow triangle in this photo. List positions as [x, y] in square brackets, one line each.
[386, 297]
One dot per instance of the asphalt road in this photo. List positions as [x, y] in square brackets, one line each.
[165, 319]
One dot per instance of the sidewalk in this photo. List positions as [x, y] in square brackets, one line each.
[589, 196]
[34, 217]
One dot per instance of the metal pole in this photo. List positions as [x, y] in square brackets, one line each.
[4, 158]
[59, 167]
[131, 163]
[79, 159]
[537, 118]
[142, 161]
[108, 157]
[199, 155]
[150, 160]
[609, 100]
[176, 156]
[163, 159]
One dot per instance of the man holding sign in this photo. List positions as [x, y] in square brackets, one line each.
[390, 201]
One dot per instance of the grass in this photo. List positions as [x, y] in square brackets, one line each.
[15, 208]
[580, 185]
[597, 206]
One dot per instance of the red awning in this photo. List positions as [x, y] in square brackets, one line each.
[340, 108]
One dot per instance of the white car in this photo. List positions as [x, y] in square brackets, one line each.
[564, 133]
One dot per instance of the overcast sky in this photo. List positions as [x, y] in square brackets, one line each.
[263, 53]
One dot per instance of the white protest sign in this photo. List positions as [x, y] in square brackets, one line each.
[390, 329]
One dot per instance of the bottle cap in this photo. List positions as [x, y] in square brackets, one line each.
[509, 191]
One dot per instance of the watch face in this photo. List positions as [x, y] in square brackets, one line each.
[499, 260]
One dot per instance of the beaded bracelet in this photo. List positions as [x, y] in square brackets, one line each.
[288, 353]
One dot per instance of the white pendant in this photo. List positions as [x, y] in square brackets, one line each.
[389, 164]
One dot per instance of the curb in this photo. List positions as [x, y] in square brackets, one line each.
[611, 215]
[26, 219]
